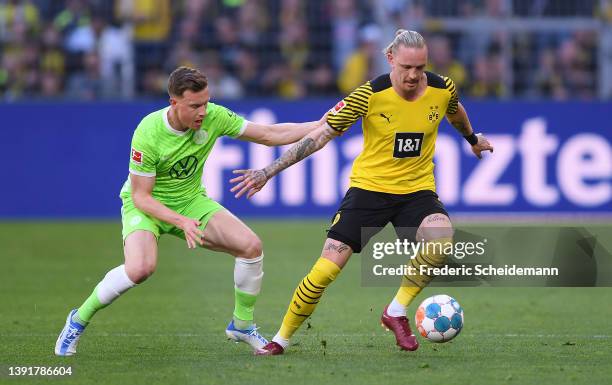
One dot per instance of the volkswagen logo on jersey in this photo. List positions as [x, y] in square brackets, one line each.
[184, 168]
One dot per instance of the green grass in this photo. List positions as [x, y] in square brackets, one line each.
[170, 329]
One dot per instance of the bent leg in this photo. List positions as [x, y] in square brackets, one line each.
[225, 232]
[140, 233]
[140, 250]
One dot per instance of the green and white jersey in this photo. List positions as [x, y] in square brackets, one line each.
[176, 158]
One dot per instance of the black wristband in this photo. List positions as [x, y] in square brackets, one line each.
[472, 138]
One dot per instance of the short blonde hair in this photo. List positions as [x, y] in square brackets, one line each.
[410, 39]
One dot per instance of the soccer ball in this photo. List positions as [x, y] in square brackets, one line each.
[439, 318]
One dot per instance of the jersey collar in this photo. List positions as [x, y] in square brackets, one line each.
[169, 127]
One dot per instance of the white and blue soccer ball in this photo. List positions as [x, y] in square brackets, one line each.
[439, 318]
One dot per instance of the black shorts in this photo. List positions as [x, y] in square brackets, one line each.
[362, 208]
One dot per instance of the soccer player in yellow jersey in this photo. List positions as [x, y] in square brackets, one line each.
[392, 179]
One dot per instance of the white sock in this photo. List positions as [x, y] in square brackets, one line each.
[114, 283]
[248, 274]
[281, 341]
[396, 309]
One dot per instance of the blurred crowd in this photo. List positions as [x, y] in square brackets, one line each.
[123, 49]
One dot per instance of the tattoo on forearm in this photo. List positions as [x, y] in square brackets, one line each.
[461, 127]
[297, 152]
[304, 145]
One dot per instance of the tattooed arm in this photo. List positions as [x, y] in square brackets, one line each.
[252, 181]
[461, 122]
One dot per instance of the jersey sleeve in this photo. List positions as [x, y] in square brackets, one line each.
[232, 124]
[351, 108]
[453, 103]
[143, 156]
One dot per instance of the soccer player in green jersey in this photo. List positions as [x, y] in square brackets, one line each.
[164, 195]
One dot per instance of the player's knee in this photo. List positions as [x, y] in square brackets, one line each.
[437, 231]
[435, 227]
[140, 271]
[253, 247]
[337, 252]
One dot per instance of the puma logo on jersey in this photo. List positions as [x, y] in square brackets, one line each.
[386, 117]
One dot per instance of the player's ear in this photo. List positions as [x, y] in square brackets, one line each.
[390, 58]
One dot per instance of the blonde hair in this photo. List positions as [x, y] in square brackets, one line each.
[410, 39]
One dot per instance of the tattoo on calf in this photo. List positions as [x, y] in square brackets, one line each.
[338, 248]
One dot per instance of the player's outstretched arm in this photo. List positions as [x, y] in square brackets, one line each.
[279, 134]
[251, 181]
[461, 122]
[142, 187]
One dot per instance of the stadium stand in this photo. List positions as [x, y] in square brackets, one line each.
[124, 49]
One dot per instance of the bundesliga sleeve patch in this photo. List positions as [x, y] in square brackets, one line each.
[338, 107]
[136, 156]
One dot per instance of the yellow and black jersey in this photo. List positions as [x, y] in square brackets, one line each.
[399, 135]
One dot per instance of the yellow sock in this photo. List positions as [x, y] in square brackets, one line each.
[307, 295]
[412, 285]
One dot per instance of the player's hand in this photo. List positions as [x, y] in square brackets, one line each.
[482, 145]
[248, 181]
[193, 234]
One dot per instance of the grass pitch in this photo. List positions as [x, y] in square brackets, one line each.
[170, 329]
